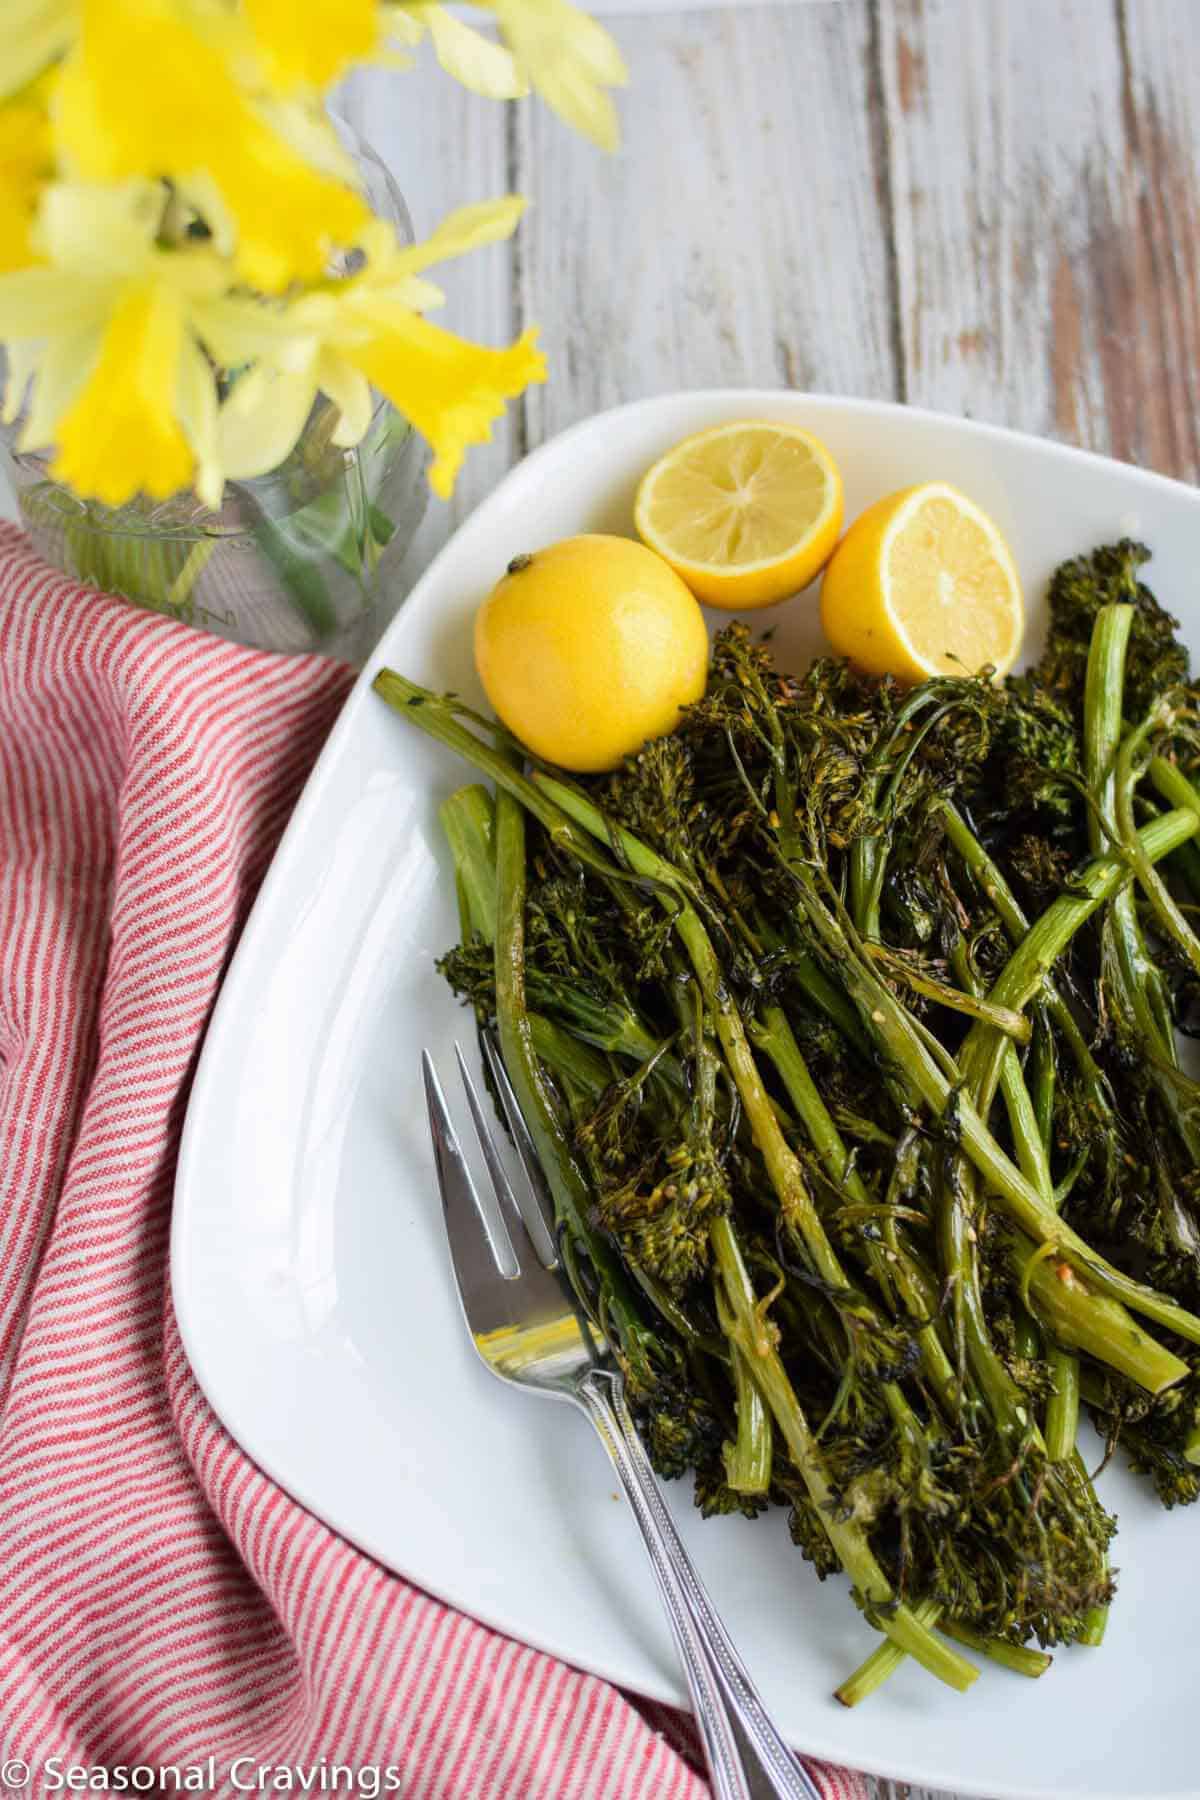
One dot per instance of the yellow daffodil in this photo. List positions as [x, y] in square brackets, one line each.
[122, 390]
[149, 89]
[175, 208]
[569, 58]
[310, 44]
[547, 44]
[367, 332]
[25, 163]
[35, 33]
[477, 61]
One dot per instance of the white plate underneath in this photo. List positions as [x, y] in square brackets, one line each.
[309, 1271]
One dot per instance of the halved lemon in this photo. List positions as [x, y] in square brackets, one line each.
[923, 584]
[746, 513]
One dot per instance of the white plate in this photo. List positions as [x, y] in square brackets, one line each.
[309, 1272]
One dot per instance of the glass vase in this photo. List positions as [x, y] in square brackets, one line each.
[297, 559]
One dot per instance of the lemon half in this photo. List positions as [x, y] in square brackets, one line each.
[924, 584]
[746, 513]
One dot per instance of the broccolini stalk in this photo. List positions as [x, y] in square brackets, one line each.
[783, 1166]
[774, 1036]
[1006, 905]
[1030, 1122]
[750, 1332]
[883, 1661]
[1168, 914]
[892, 1028]
[1017, 1657]
[469, 821]
[1139, 991]
[619, 1315]
[748, 1458]
[755, 1338]
[1177, 790]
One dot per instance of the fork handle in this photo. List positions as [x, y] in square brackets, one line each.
[748, 1760]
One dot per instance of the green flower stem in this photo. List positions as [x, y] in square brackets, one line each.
[753, 1337]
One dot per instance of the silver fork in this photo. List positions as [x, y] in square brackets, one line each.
[527, 1327]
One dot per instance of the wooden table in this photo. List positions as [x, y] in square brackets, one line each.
[989, 207]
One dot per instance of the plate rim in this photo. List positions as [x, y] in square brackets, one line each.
[255, 925]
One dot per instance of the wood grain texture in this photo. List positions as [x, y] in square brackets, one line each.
[1018, 249]
[1161, 41]
[739, 236]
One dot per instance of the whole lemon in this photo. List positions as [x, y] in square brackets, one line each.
[589, 647]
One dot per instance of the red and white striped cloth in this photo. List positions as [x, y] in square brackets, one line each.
[161, 1602]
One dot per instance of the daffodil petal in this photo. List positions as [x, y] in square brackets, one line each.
[467, 228]
[20, 367]
[63, 366]
[197, 407]
[478, 62]
[35, 33]
[25, 163]
[350, 392]
[259, 424]
[100, 228]
[449, 389]
[570, 59]
[39, 303]
[310, 45]
[121, 435]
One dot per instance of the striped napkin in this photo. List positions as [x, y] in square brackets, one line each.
[165, 1610]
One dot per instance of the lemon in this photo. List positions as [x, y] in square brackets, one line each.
[746, 513]
[588, 648]
[922, 584]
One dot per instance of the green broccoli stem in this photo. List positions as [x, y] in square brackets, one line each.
[1175, 788]
[469, 821]
[883, 1661]
[573, 1062]
[1166, 911]
[748, 1457]
[996, 889]
[783, 1166]
[883, 1016]
[1138, 989]
[816, 986]
[1017, 1657]
[1030, 1119]
[568, 1184]
[755, 1338]
[1101, 1328]
[891, 1026]
[773, 1035]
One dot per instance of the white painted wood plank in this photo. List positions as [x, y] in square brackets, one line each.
[1162, 115]
[445, 147]
[738, 237]
[1023, 286]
